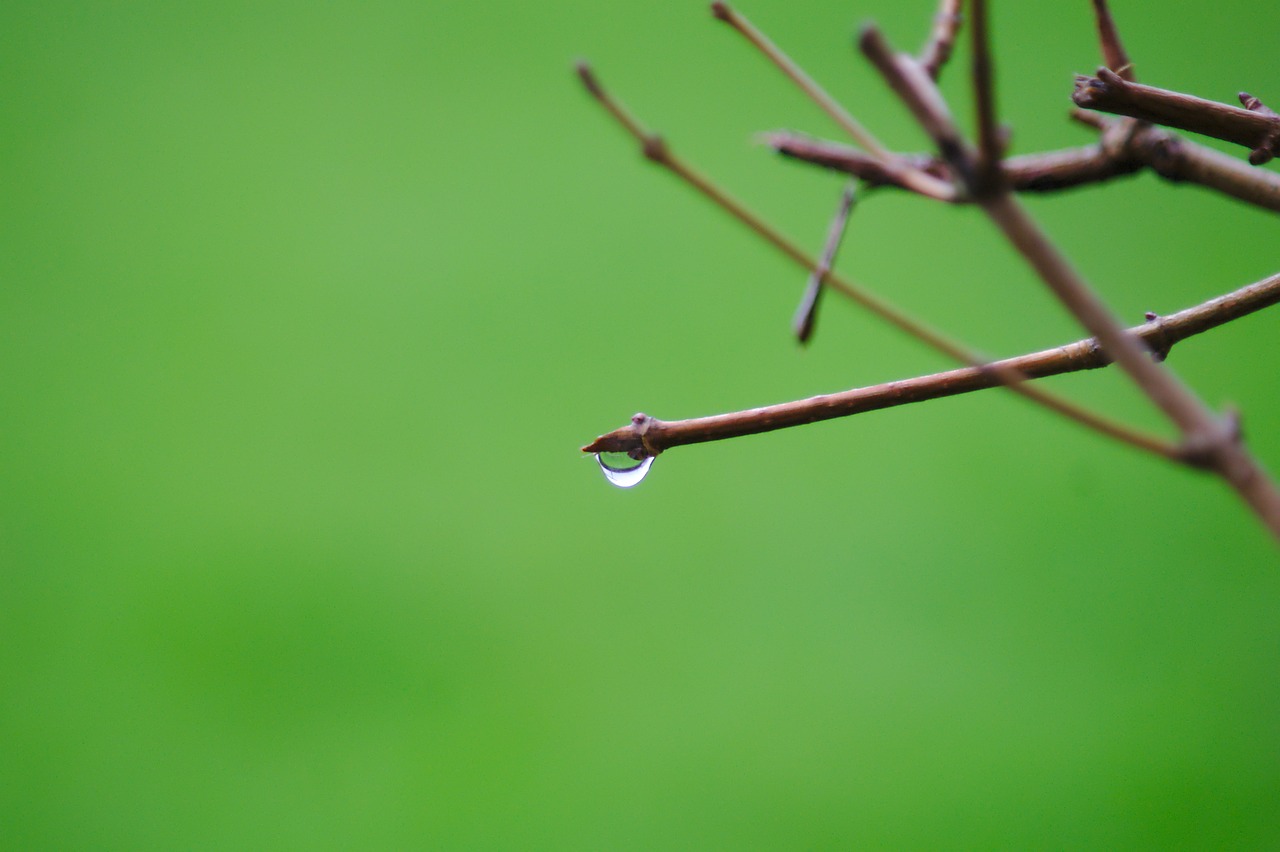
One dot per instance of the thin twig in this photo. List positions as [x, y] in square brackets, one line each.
[807, 313]
[1125, 149]
[987, 166]
[1169, 394]
[1113, 52]
[918, 92]
[658, 152]
[1209, 442]
[942, 38]
[725, 12]
[1161, 334]
[1176, 159]
[1043, 172]
[921, 183]
[1256, 129]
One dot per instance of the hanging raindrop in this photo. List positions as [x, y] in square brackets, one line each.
[622, 470]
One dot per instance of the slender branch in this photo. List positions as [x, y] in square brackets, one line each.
[1177, 159]
[922, 183]
[807, 313]
[657, 151]
[918, 92]
[1160, 334]
[1126, 149]
[1255, 128]
[1113, 52]
[1209, 442]
[1044, 172]
[1160, 385]
[986, 169]
[937, 50]
[725, 12]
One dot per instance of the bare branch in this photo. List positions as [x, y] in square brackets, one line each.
[1208, 441]
[846, 158]
[657, 151]
[1113, 52]
[807, 313]
[924, 184]
[725, 12]
[1161, 333]
[1126, 149]
[922, 96]
[987, 165]
[917, 91]
[1256, 129]
[937, 50]
[1044, 172]
[1178, 159]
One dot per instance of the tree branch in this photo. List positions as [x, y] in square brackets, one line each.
[937, 50]
[1126, 149]
[1045, 172]
[657, 151]
[987, 174]
[807, 313]
[919, 182]
[1209, 441]
[1113, 52]
[1160, 334]
[1255, 127]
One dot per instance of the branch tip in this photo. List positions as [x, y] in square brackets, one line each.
[588, 77]
[937, 50]
[869, 39]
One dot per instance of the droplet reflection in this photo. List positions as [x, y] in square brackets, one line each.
[622, 470]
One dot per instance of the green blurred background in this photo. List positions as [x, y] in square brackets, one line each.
[306, 308]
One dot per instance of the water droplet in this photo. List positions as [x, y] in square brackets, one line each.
[622, 470]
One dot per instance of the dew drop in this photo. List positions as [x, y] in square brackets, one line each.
[622, 470]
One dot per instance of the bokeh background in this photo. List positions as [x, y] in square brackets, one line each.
[306, 308]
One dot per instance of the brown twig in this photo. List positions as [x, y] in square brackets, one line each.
[1256, 129]
[942, 38]
[919, 182]
[1178, 159]
[1113, 52]
[1066, 284]
[724, 12]
[918, 92]
[1160, 334]
[807, 313]
[658, 152]
[986, 168]
[1125, 149]
[1209, 442]
[1044, 172]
